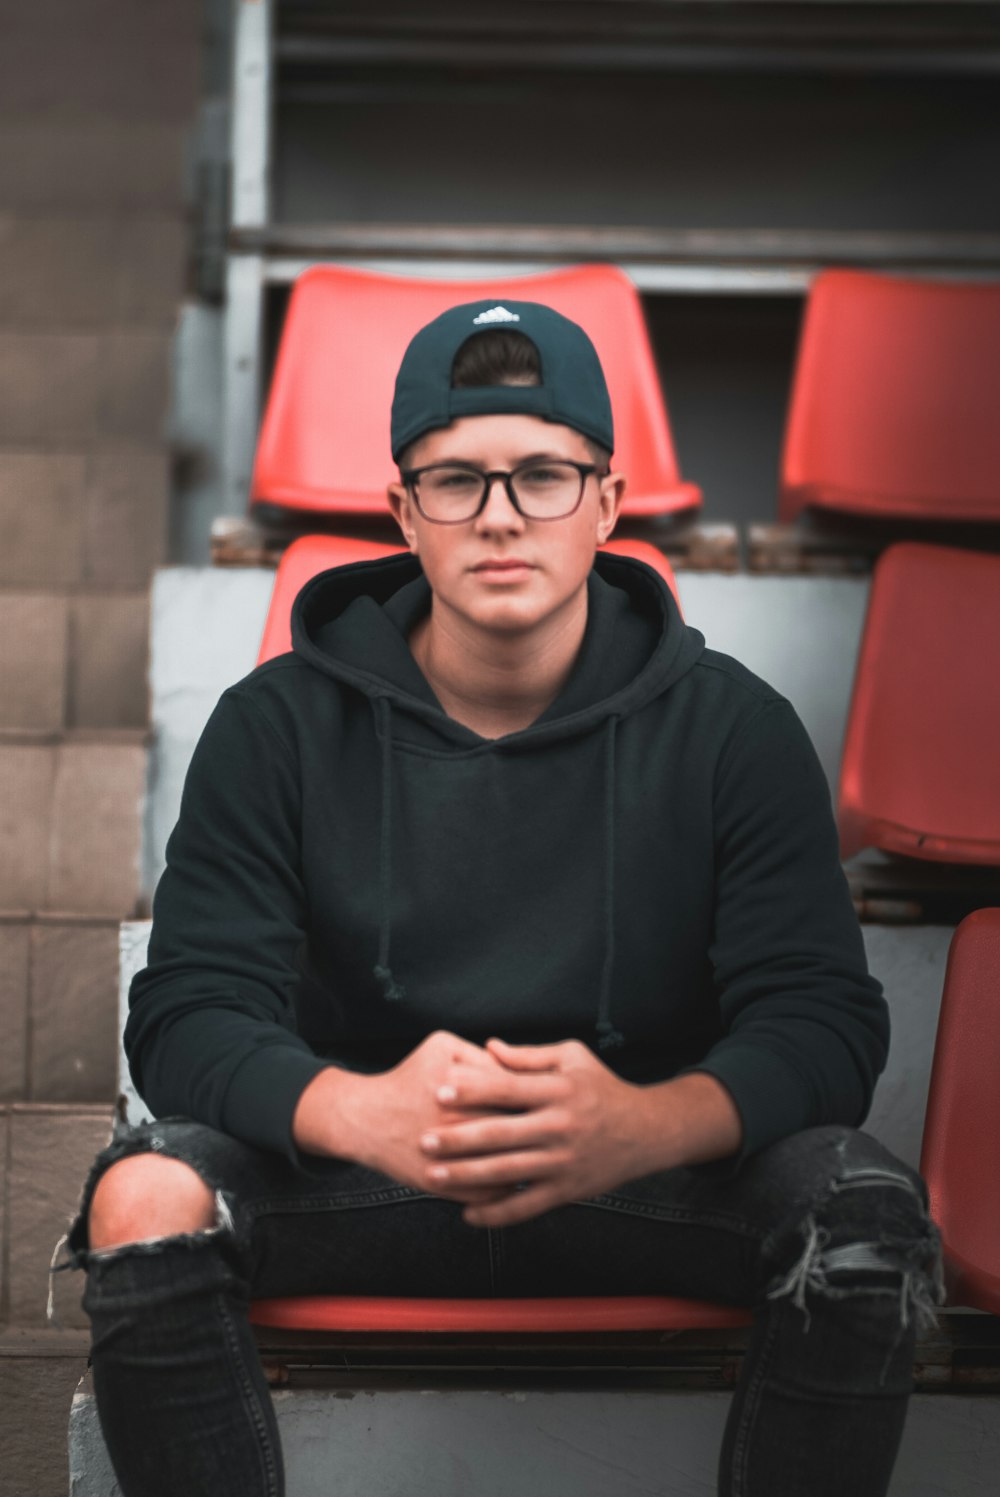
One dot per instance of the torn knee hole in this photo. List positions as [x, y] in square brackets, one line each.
[873, 1175]
[908, 1270]
[223, 1223]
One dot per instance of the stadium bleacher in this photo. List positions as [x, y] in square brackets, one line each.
[735, 166]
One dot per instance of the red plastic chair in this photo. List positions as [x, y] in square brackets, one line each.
[324, 440]
[920, 774]
[347, 1312]
[302, 560]
[962, 1127]
[894, 400]
[316, 553]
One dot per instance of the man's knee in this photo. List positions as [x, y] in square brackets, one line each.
[866, 1232]
[146, 1196]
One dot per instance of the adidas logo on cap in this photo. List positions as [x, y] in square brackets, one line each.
[496, 314]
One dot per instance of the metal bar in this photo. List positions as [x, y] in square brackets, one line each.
[688, 280]
[783, 249]
[241, 375]
[560, 55]
[250, 197]
[251, 113]
[282, 270]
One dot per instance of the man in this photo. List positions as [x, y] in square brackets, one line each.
[503, 948]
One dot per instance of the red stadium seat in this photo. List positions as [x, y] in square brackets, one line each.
[643, 551]
[919, 775]
[315, 553]
[598, 1313]
[324, 440]
[893, 410]
[303, 559]
[962, 1126]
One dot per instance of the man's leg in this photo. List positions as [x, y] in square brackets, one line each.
[827, 1235]
[822, 1401]
[182, 1398]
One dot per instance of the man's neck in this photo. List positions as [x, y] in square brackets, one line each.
[497, 683]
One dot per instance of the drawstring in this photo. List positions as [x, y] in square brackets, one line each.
[610, 1037]
[382, 971]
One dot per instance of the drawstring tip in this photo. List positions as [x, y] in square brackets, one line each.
[390, 987]
[610, 1037]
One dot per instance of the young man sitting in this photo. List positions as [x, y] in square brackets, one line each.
[503, 949]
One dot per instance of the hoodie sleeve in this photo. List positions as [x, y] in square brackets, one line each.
[210, 1032]
[807, 1029]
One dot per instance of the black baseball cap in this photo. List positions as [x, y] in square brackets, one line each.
[573, 391]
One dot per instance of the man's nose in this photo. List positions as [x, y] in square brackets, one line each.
[499, 508]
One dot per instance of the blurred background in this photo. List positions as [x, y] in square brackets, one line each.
[167, 169]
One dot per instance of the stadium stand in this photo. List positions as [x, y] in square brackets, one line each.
[810, 139]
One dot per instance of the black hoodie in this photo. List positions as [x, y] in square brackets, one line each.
[650, 867]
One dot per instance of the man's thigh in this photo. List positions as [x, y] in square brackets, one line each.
[342, 1228]
[336, 1227]
[710, 1233]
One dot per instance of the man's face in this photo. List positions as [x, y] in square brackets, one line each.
[501, 571]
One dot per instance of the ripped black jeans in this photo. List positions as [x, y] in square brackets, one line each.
[825, 1233]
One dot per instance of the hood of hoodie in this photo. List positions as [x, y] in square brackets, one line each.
[353, 622]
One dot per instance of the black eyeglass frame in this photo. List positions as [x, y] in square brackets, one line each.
[411, 477]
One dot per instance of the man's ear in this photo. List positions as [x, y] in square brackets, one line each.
[401, 505]
[612, 494]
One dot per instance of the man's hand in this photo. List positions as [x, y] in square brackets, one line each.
[578, 1130]
[379, 1119]
[515, 1129]
[572, 1129]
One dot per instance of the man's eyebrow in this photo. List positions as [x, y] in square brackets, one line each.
[547, 456]
[532, 457]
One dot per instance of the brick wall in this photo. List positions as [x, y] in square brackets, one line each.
[97, 101]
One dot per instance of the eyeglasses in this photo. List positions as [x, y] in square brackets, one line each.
[453, 493]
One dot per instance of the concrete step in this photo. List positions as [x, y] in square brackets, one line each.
[70, 822]
[39, 1374]
[58, 1007]
[93, 165]
[94, 518]
[60, 273]
[49, 1149]
[547, 1441]
[64, 391]
[76, 660]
